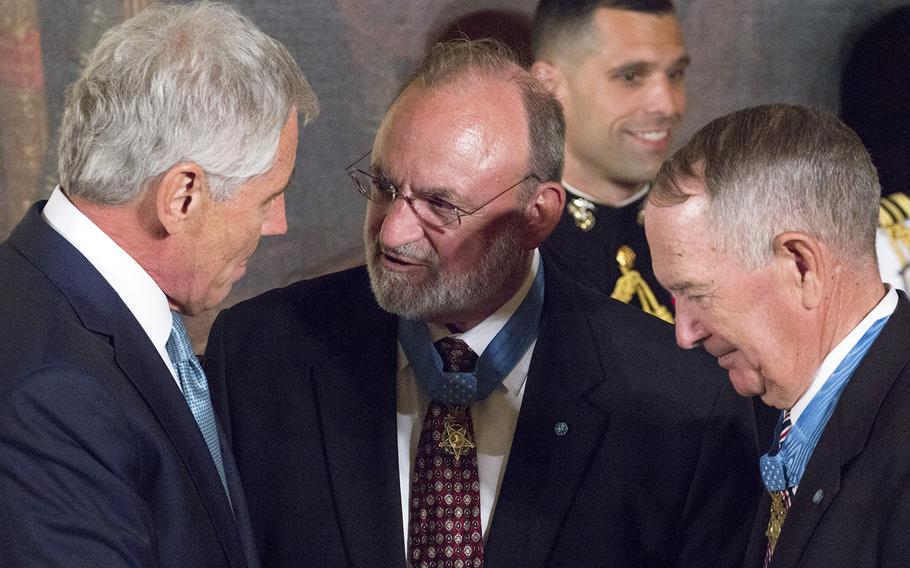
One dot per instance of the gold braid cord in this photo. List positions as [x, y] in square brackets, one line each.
[893, 210]
[631, 284]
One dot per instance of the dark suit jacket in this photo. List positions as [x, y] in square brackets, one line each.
[589, 257]
[101, 461]
[658, 467]
[852, 507]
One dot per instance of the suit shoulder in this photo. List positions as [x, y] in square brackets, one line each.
[650, 344]
[321, 308]
[321, 294]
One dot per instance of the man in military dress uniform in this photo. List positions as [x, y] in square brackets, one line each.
[617, 67]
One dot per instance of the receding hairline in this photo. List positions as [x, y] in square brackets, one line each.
[466, 85]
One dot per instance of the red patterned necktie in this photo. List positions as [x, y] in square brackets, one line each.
[780, 500]
[444, 528]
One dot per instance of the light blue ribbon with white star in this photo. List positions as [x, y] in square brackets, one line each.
[496, 361]
[785, 468]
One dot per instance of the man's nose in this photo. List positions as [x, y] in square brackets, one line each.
[401, 224]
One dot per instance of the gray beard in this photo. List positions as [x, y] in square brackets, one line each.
[444, 293]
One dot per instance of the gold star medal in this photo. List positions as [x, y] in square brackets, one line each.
[776, 522]
[457, 440]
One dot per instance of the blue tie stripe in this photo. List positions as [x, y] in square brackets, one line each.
[195, 390]
[785, 469]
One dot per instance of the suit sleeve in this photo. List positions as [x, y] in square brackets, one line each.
[68, 465]
[725, 490]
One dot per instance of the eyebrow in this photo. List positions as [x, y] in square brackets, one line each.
[686, 286]
[642, 66]
[285, 187]
[439, 192]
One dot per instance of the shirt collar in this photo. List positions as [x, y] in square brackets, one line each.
[627, 201]
[884, 308]
[129, 280]
[479, 336]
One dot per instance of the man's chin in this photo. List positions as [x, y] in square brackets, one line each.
[746, 383]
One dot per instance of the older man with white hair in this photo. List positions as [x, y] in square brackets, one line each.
[763, 228]
[176, 147]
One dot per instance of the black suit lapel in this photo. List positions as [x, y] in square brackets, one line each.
[844, 436]
[102, 311]
[356, 396]
[547, 461]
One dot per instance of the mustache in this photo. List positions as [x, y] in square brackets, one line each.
[409, 251]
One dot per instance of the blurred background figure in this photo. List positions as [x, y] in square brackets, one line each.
[618, 68]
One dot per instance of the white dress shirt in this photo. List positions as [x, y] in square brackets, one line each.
[494, 418]
[131, 282]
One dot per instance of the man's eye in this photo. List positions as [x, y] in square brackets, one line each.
[383, 186]
[676, 74]
[439, 204]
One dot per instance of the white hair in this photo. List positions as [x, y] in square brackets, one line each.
[197, 83]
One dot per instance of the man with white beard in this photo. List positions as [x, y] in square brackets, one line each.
[459, 400]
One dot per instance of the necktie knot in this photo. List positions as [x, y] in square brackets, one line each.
[457, 357]
[179, 348]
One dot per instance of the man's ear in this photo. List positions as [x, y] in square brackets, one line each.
[179, 193]
[542, 213]
[551, 77]
[803, 262]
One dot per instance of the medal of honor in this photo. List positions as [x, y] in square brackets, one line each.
[582, 211]
[457, 440]
[778, 514]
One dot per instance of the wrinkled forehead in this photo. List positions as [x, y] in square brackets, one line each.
[469, 128]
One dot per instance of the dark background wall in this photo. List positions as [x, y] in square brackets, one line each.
[356, 53]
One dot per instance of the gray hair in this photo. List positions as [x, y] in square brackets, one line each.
[776, 168]
[455, 60]
[198, 83]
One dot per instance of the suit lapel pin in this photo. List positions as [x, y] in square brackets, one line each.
[819, 495]
[561, 428]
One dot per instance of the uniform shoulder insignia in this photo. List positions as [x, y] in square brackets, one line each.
[893, 209]
[894, 222]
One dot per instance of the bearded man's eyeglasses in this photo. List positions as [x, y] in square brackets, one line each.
[433, 211]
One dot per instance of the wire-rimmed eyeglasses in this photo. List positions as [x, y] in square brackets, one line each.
[431, 210]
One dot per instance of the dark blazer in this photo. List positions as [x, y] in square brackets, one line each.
[658, 467]
[852, 507]
[589, 257]
[101, 461]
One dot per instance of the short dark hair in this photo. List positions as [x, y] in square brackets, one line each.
[559, 21]
[453, 60]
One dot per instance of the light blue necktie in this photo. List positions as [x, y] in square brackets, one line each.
[195, 389]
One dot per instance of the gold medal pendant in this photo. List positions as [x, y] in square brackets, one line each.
[582, 211]
[456, 438]
[778, 514]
